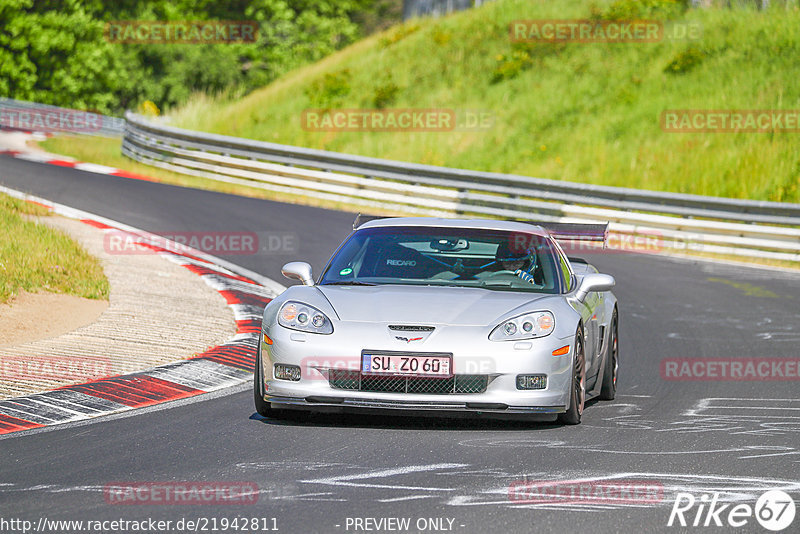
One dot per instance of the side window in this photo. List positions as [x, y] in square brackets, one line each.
[566, 270]
[568, 279]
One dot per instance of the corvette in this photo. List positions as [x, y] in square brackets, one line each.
[449, 315]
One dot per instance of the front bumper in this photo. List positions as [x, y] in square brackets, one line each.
[352, 404]
[473, 354]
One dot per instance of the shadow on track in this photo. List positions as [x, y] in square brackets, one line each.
[437, 421]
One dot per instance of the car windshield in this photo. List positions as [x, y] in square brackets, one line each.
[461, 257]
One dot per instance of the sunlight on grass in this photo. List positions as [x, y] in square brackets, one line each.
[568, 111]
[35, 257]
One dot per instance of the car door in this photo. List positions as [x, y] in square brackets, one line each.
[588, 309]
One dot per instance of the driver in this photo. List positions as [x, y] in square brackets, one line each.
[512, 260]
[520, 262]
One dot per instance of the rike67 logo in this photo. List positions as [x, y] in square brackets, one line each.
[774, 510]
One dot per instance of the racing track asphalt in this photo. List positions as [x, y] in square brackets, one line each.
[734, 436]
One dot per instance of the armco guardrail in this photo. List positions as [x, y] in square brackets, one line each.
[436, 8]
[30, 116]
[711, 224]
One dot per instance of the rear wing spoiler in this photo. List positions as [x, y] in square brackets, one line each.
[577, 231]
[363, 218]
[560, 231]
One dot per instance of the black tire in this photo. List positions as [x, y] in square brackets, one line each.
[609, 389]
[577, 397]
[262, 407]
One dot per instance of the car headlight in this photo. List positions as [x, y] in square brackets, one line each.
[526, 326]
[299, 316]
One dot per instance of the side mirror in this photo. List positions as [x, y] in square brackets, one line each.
[298, 270]
[594, 282]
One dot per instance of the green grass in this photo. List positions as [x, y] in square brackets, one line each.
[35, 257]
[579, 112]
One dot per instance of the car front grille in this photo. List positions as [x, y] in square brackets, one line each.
[457, 384]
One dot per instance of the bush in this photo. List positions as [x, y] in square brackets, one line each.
[643, 9]
[330, 90]
[399, 34]
[522, 57]
[441, 37]
[685, 61]
[386, 93]
[56, 52]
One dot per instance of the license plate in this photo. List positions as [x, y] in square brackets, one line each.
[407, 365]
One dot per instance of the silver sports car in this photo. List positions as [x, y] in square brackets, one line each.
[443, 314]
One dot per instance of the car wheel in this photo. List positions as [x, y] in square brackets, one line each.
[262, 407]
[609, 389]
[578, 386]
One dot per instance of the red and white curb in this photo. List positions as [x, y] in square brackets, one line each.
[43, 157]
[223, 366]
[36, 136]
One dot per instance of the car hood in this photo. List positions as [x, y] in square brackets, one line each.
[425, 305]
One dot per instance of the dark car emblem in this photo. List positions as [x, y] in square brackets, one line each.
[408, 340]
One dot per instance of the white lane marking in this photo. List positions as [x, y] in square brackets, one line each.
[731, 489]
[351, 480]
[558, 444]
[562, 508]
[726, 407]
[306, 466]
[745, 451]
[407, 498]
[323, 497]
[96, 168]
[50, 488]
[40, 158]
[753, 408]
[787, 451]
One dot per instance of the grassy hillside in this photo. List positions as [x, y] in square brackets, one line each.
[567, 111]
[35, 257]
